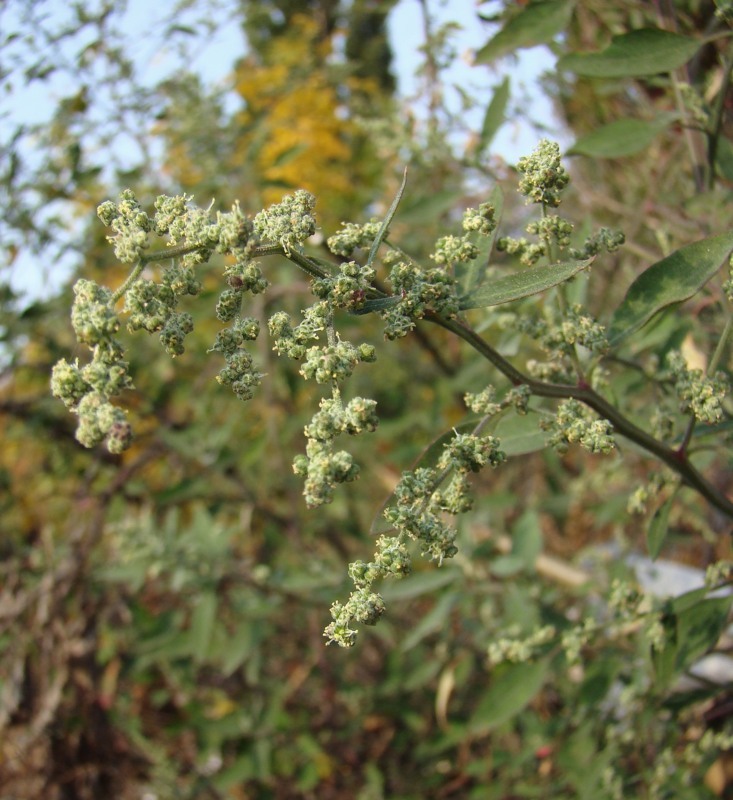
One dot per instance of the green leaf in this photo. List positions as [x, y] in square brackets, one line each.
[693, 625]
[647, 51]
[429, 206]
[671, 280]
[495, 115]
[526, 536]
[202, 625]
[382, 232]
[421, 583]
[724, 158]
[658, 527]
[435, 620]
[699, 628]
[522, 284]
[621, 138]
[538, 23]
[520, 434]
[514, 686]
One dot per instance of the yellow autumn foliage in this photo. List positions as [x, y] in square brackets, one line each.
[296, 122]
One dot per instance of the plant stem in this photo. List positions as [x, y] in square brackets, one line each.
[676, 460]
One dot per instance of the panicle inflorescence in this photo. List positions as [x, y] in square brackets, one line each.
[416, 513]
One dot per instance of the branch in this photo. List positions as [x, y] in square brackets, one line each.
[676, 459]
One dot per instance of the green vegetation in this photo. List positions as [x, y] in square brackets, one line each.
[454, 403]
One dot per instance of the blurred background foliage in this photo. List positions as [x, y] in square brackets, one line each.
[161, 612]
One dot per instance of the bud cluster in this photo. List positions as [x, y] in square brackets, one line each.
[575, 423]
[700, 395]
[322, 466]
[419, 290]
[86, 391]
[544, 177]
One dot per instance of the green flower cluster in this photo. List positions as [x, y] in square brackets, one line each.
[151, 306]
[543, 176]
[290, 222]
[552, 229]
[347, 290]
[576, 327]
[239, 372]
[485, 403]
[86, 391]
[291, 341]
[416, 514]
[322, 466]
[419, 290]
[481, 220]
[529, 253]
[130, 223]
[604, 240]
[352, 237]
[575, 423]
[700, 395]
[452, 250]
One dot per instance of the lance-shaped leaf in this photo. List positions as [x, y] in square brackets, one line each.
[512, 688]
[387, 221]
[658, 527]
[495, 115]
[647, 51]
[621, 138]
[537, 23]
[671, 280]
[522, 284]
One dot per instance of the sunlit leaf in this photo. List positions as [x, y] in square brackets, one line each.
[671, 280]
[537, 23]
[382, 232]
[522, 284]
[647, 51]
[621, 138]
[495, 115]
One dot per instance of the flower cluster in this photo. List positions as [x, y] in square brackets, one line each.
[603, 240]
[700, 395]
[130, 224]
[485, 403]
[543, 175]
[481, 220]
[87, 390]
[348, 289]
[576, 327]
[416, 514]
[322, 466]
[553, 229]
[575, 423]
[452, 250]
[419, 290]
[518, 650]
[288, 223]
[352, 236]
